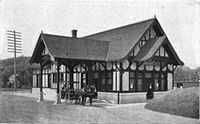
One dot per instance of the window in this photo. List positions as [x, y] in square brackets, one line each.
[103, 83]
[132, 74]
[166, 54]
[139, 85]
[37, 80]
[162, 51]
[55, 78]
[83, 79]
[44, 77]
[34, 81]
[148, 75]
[96, 75]
[75, 77]
[160, 82]
[132, 86]
[162, 85]
[156, 75]
[109, 80]
[139, 75]
[156, 84]
[106, 81]
[61, 77]
[67, 77]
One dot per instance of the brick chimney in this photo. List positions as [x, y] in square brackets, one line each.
[74, 33]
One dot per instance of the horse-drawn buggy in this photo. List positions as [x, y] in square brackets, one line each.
[79, 95]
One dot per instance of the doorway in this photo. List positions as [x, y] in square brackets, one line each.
[49, 80]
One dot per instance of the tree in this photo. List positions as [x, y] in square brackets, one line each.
[24, 71]
[184, 73]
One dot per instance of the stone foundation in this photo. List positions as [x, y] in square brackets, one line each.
[124, 98]
[112, 97]
[48, 93]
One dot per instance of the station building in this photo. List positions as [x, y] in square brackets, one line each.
[122, 63]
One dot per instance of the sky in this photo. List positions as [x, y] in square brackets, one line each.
[179, 18]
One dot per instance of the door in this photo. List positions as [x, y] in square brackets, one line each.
[49, 80]
[83, 79]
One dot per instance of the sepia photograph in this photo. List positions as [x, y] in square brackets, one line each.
[99, 61]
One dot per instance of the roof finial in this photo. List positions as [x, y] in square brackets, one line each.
[41, 31]
[154, 16]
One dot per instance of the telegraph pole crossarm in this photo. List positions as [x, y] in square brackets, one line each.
[14, 46]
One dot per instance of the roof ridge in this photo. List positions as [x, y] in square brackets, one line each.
[124, 26]
[57, 35]
[74, 37]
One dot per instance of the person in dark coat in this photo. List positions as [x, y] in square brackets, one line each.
[150, 93]
[83, 96]
[92, 93]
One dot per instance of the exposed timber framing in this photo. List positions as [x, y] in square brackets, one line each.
[58, 84]
[41, 84]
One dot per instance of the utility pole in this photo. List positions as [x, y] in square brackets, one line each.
[14, 46]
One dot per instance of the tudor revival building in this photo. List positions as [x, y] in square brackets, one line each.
[121, 62]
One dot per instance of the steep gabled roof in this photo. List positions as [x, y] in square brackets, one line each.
[74, 48]
[123, 38]
[173, 52]
[111, 45]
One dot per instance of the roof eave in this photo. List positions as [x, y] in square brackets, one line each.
[33, 57]
[32, 60]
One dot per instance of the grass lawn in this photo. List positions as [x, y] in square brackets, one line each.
[18, 109]
[25, 110]
[184, 102]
